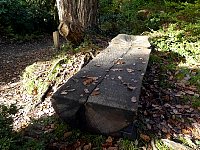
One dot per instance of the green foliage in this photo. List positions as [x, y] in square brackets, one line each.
[120, 16]
[26, 16]
[127, 145]
[173, 39]
[178, 29]
[6, 134]
[161, 146]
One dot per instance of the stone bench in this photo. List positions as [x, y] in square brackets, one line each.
[103, 96]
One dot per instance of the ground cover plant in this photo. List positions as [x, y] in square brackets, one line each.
[170, 99]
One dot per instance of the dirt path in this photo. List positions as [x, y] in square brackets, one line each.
[14, 58]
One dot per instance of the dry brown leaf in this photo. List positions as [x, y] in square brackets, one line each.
[87, 147]
[145, 137]
[89, 80]
[67, 134]
[164, 129]
[186, 131]
[35, 91]
[145, 113]
[94, 93]
[120, 62]
[109, 139]
[168, 136]
[108, 143]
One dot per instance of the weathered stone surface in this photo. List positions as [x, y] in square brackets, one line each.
[175, 146]
[104, 95]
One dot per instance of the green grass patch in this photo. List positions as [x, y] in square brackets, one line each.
[161, 146]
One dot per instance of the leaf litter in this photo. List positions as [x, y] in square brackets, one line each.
[161, 111]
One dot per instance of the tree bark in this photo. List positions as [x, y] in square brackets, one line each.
[87, 13]
[75, 17]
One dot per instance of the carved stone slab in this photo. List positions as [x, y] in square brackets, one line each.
[103, 96]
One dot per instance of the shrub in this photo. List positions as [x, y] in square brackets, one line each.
[25, 17]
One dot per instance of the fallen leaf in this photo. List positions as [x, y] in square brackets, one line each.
[67, 134]
[120, 62]
[168, 136]
[131, 87]
[133, 99]
[89, 80]
[171, 77]
[96, 89]
[97, 65]
[116, 69]
[94, 93]
[52, 126]
[119, 77]
[136, 142]
[35, 91]
[145, 137]
[130, 70]
[87, 147]
[86, 91]
[189, 92]
[109, 140]
[145, 113]
[179, 106]
[164, 129]
[148, 126]
[64, 93]
[70, 90]
[108, 143]
[186, 131]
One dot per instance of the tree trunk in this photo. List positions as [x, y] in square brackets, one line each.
[87, 13]
[75, 17]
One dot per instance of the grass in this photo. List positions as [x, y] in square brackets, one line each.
[160, 145]
[128, 145]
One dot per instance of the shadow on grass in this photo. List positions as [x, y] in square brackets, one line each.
[45, 133]
[170, 105]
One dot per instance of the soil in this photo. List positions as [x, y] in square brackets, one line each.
[15, 57]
